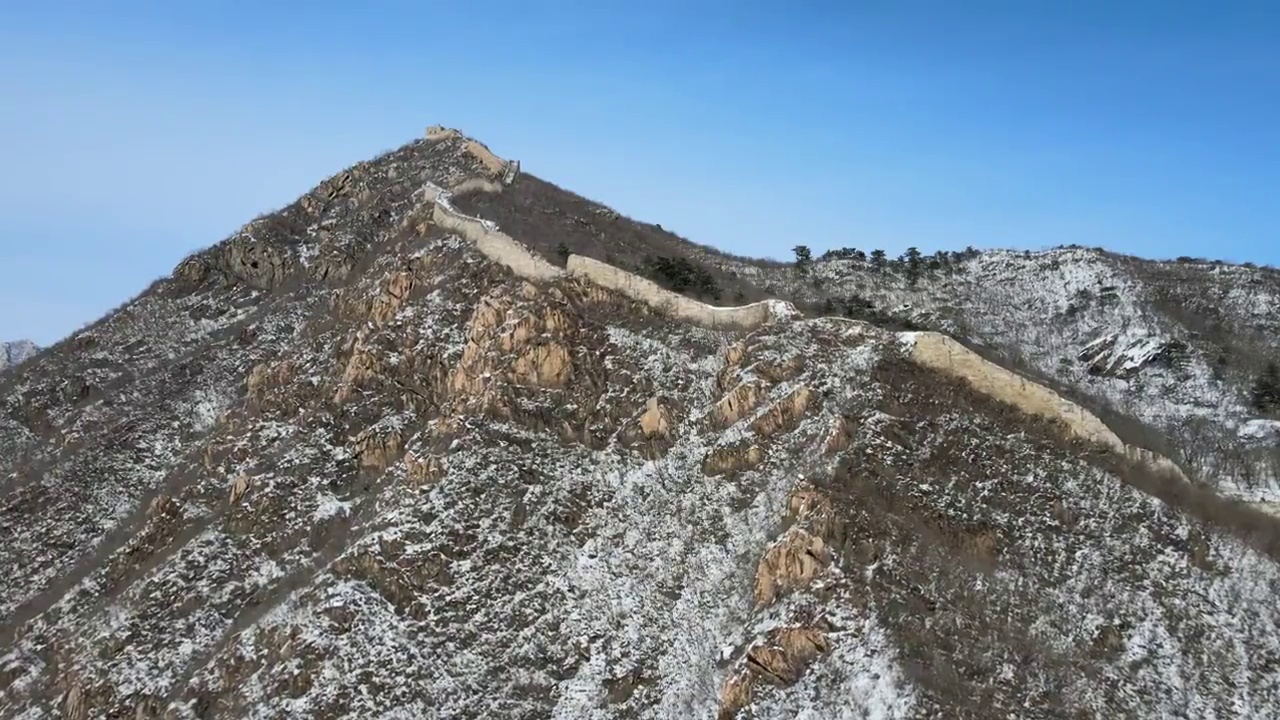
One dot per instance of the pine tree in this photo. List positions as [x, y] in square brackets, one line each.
[803, 258]
[911, 258]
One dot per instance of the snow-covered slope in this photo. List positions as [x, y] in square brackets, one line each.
[1175, 345]
[12, 353]
[343, 465]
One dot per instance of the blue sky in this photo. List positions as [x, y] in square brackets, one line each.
[134, 133]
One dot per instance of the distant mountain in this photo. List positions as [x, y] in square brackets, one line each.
[433, 441]
[12, 353]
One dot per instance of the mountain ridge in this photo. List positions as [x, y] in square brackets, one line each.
[1161, 307]
[1189, 391]
[932, 349]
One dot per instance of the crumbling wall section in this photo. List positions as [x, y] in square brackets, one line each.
[436, 133]
[473, 185]
[744, 317]
[942, 353]
[491, 242]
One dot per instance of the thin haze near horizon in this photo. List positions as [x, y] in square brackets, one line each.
[139, 132]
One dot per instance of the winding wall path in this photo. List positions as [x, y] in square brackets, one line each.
[929, 349]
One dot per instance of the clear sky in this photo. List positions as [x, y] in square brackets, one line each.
[132, 133]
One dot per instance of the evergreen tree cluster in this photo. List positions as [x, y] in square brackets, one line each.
[911, 263]
[682, 275]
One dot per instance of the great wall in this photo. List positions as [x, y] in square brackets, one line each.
[930, 349]
[503, 249]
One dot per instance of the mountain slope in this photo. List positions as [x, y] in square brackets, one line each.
[1175, 345]
[352, 462]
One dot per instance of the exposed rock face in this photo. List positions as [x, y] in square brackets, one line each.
[423, 484]
[655, 422]
[258, 265]
[732, 458]
[1108, 356]
[507, 338]
[737, 403]
[791, 562]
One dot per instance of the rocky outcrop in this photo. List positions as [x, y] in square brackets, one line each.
[239, 488]
[732, 458]
[655, 422]
[377, 447]
[74, 706]
[737, 403]
[363, 367]
[809, 508]
[508, 341]
[423, 470]
[393, 296]
[785, 653]
[257, 264]
[785, 413]
[1108, 356]
[778, 659]
[267, 378]
[793, 561]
